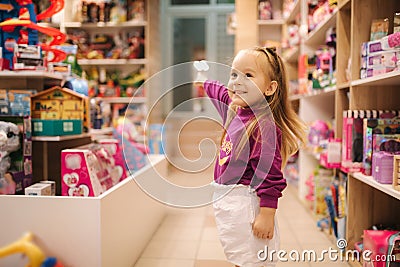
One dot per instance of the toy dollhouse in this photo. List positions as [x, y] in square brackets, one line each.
[58, 111]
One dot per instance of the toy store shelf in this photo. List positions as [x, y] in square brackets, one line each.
[293, 14]
[318, 35]
[127, 24]
[292, 55]
[270, 22]
[342, 86]
[31, 75]
[46, 24]
[390, 78]
[385, 188]
[112, 62]
[59, 138]
[314, 93]
[123, 100]
[102, 131]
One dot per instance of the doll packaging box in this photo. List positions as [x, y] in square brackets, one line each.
[91, 170]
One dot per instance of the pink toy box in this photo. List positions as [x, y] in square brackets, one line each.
[375, 132]
[381, 244]
[331, 158]
[91, 170]
[382, 167]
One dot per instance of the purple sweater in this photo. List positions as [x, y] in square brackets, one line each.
[258, 163]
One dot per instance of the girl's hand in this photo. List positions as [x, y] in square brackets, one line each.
[263, 226]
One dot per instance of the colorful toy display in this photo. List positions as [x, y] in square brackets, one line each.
[58, 111]
[9, 142]
[16, 154]
[19, 27]
[34, 254]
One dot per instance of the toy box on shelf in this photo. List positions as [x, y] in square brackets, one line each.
[396, 172]
[357, 138]
[330, 158]
[91, 170]
[58, 111]
[16, 154]
[376, 134]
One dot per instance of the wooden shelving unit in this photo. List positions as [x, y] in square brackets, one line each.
[111, 25]
[315, 93]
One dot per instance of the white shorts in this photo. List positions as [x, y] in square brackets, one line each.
[235, 208]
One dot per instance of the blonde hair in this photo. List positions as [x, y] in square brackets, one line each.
[292, 128]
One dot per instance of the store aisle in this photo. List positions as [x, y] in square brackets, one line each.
[188, 238]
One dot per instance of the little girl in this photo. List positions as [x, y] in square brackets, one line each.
[261, 131]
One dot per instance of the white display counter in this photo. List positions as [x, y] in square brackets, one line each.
[109, 230]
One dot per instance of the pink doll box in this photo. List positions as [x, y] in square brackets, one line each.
[113, 148]
[352, 139]
[79, 173]
[373, 127]
[382, 167]
[377, 241]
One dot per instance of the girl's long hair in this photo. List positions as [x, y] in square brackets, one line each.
[292, 128]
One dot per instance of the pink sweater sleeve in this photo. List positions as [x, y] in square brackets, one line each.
[266, 163]
[219, 96]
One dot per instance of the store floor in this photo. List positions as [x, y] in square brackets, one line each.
[188, 238]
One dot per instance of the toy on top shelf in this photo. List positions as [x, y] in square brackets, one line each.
[19, 27]
[265, 10]
[318, 11]
[109, 45]
[35, 255]
[111, 11]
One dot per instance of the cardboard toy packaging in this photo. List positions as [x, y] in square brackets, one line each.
[379, 243]
[91, 170]
[375, 127]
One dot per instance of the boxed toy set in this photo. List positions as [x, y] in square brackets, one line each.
[15, 102]
[38, 189]
[376, 133]
[359, 126]
[91, 170]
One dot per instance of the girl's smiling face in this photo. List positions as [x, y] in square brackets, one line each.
[248, 83]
